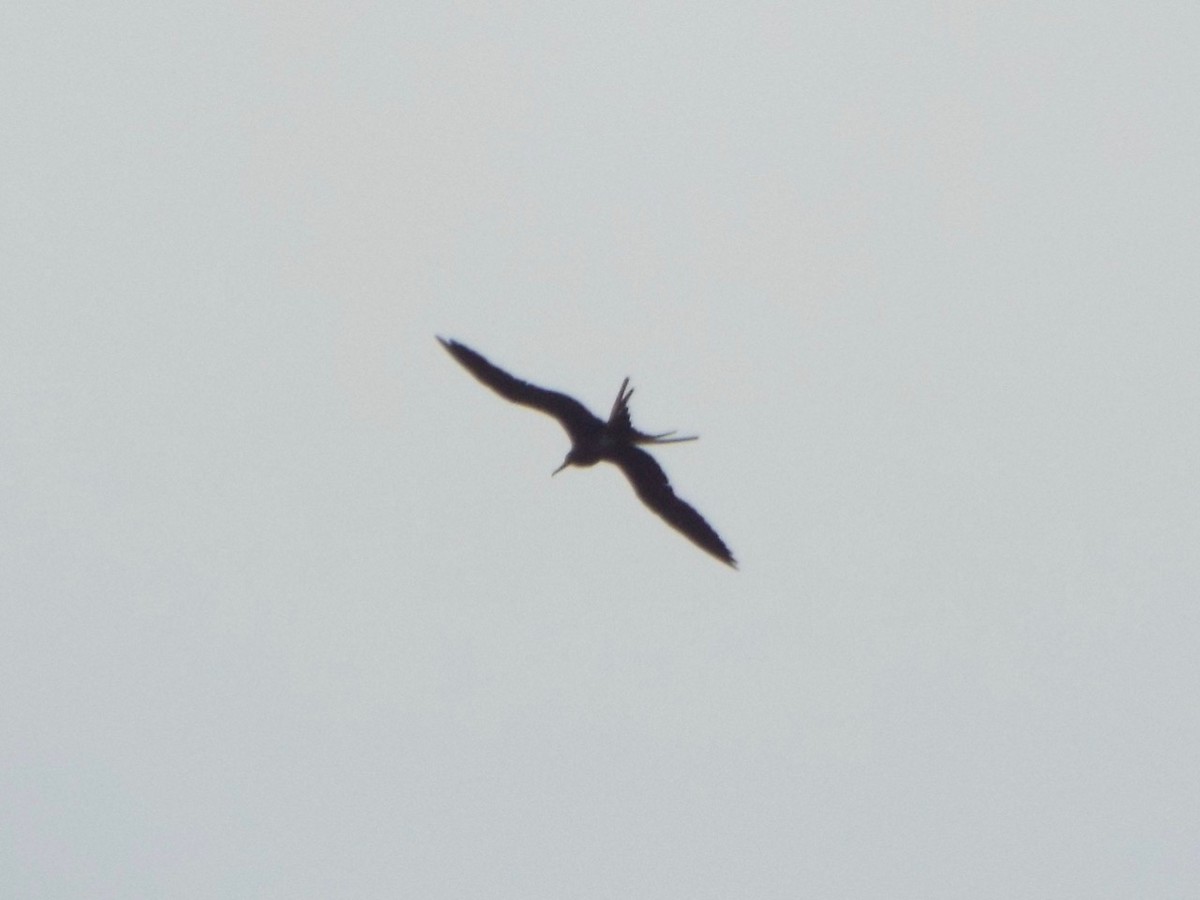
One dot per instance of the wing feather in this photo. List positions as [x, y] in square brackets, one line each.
[652, 487]
[571, 414]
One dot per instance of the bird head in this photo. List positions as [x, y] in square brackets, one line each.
[570, 460]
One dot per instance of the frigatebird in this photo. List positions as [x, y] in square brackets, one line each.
[594, 440]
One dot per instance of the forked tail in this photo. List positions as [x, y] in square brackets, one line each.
[618, 420]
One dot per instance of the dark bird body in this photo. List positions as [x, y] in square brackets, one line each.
[593, 440]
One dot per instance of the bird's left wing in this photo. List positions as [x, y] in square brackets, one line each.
[571, 414]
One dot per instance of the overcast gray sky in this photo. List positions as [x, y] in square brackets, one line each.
[290, 604]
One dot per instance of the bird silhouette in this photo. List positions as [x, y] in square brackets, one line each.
[594, 440]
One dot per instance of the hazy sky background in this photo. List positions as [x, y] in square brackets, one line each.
[290, 604]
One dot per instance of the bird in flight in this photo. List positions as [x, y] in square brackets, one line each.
[594, 440]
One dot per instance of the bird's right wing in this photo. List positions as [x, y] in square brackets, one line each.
[571, 414]
[652, 487]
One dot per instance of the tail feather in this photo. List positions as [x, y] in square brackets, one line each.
[619, 421]
[664, 438]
